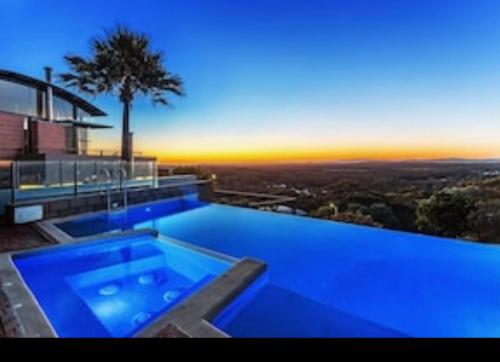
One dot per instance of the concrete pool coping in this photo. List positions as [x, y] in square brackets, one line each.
[23, 317]
[192, 318]
[20, 313]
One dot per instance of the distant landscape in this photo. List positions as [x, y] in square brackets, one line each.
[452, 198]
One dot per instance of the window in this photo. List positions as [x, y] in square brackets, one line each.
[82, 115]
[70, 140]
[17, 98]
[63, 110]
[83, 140]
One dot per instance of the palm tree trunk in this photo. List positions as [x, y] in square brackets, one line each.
[126, 137]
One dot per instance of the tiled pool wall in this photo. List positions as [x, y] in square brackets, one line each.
[67, 206]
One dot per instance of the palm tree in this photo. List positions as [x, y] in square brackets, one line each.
[123, 63]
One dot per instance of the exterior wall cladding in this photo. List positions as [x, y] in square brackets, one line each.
[11, 135]
[49, 138]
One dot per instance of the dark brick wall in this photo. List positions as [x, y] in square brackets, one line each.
[82, 204]
[11, 135]
[68, 206]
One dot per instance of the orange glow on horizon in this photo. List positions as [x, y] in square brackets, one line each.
[319, 155]
[248, 150]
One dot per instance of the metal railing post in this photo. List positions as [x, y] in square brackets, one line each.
[13, 181]
[75, 178]
[153, 169]
[120, 179]
[122, 173]
[61, 181]
[132, 170]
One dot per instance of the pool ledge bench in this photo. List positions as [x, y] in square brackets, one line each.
[192, 318]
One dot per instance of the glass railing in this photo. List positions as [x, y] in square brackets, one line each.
[43, 179]
[95, 152]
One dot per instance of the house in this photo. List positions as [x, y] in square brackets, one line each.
[44, 143]
[41, 121]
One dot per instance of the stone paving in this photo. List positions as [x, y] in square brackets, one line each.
[19, 237]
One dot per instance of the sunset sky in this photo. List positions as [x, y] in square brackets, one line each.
[274, 80]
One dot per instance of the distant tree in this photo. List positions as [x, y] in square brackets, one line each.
[484, 221]
[355, 207]
[444, 213]
[323, 212]
[326, 211]
[366, 197]
[123, 63]
[355, 218]
[404, 210]
[492, 182]
[383, 214]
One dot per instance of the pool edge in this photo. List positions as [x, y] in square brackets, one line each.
[23, 317]
[192, 318]
[20, 313]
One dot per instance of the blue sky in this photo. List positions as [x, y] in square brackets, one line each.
[291, 79]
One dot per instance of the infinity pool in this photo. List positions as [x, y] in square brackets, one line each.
[114, 287]
[329, 279]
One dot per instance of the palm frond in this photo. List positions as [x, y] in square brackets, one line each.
[123, 63]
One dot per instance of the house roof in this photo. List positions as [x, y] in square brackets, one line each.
[57, 91]
[83, 124]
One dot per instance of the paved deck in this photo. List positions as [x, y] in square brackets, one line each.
[19, 237]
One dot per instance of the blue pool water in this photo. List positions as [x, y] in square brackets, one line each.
[113, 287]
[333, 279]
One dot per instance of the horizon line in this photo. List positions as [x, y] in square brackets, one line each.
[333, 161]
